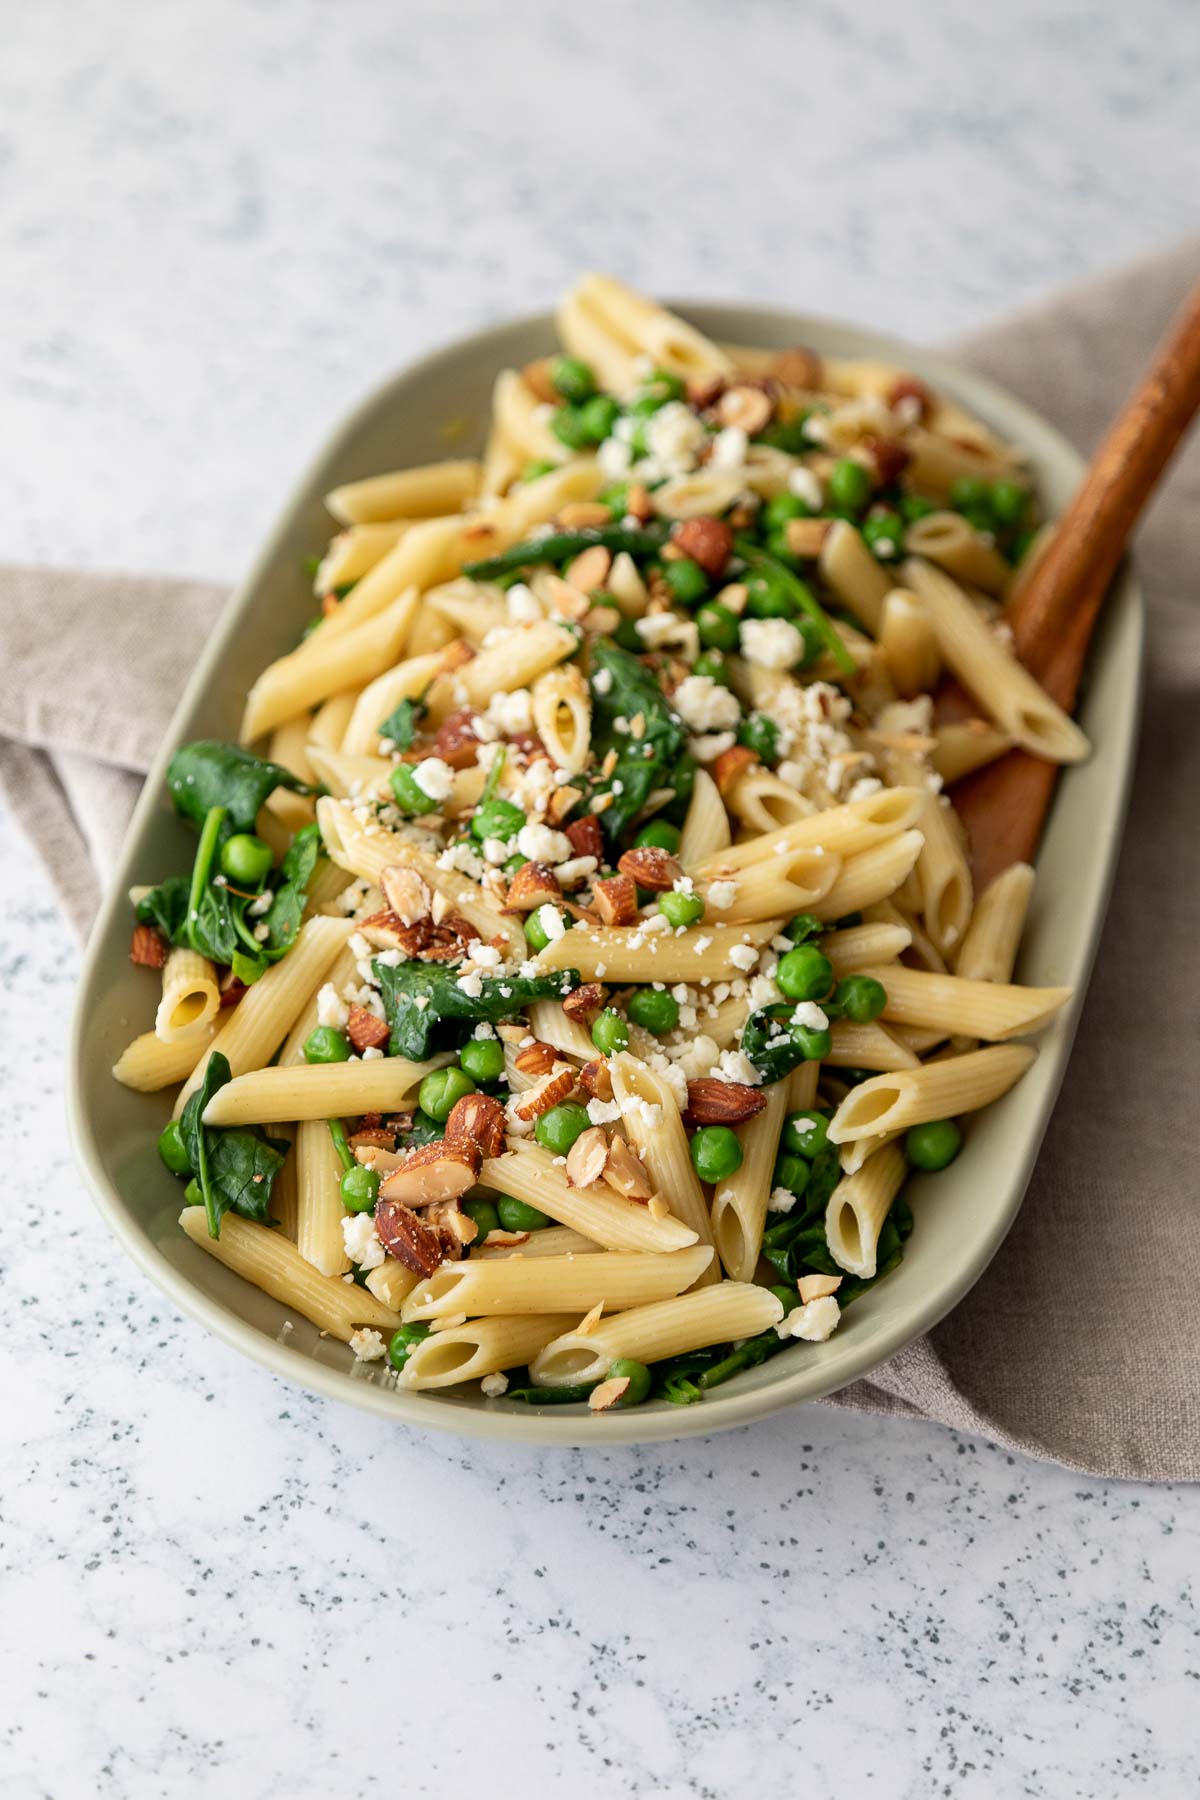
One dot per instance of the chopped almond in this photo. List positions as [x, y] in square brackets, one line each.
[586, 1157]
[602, 1398]
[407, 895]
[638, 504]
[657, 1207]
[798, 368]
[455, 653]
[453, 1226]
[817, 1287]
[912, 389]
[707, 541]
[405, 1237]
[532, 886]
[477, 1122]
[595, 1078]
[712, 1102]
[887, 458]
[651, 868]
[556, 1087]
[536, 376]
[561, 800]
[433, 1172]
[625, 1171]
[566, 600]
[589, 570]
[536, 1058]
[746, 406]
[148, 947]
[704, 390]
[455, 740]
[731, 765]
[585, 837]
[583, 1003]
[806, 537]
[583, 515]
[615, 899]
[365, 1031]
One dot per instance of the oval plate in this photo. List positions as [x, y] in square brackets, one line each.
[440, 407]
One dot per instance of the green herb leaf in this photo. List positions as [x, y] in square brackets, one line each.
[209, 773]
[426, 1009]
[400, 726]
[643, 764]
[770, 1045]
[235, 1167]
[560, 546]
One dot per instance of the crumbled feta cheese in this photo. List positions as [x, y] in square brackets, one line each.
[864, 788]
[814, 1322]
[614, 458]
[331, 1008]
[262, 905]
[705, 704]
[484, 956]
[511, 713]
[701, 945]
[484, 1030]
[358, 946]
[697, 1057]
[721, 894]
[524, 607]
[810, 1015]
[542, 844]
[496, 851]
[470, 983]
[729, 448]
[494, 1385]
[806, 485]
[735, 1065]
[435, 778]
[648, 1114]
[743, 956]
[771, 643]
[551, 921]
[667, 630]
[781, 1200]
[362, 1241]
[603, 1112]
[602, 681]
[712, 744]
[674, 437]
[367, 1345]
[372, 1053]
[570, 874]
[262, 931]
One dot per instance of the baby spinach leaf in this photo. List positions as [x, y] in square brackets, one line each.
[209, 773]
[235, 1167]
[769, 1044]
[400, 726]
[560, 546]
[642, 764]
[166, 906]
[425, 1007]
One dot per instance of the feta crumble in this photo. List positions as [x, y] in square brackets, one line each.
[367, 1345]
[705, 704]
[494, 1385]
[771, 643]
[814, 1322]
[331, 1008]
[362, 1241]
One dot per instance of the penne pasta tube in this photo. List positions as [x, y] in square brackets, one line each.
[844, 831]
[526, 652]
[864, 946]
[964, 746]
[288, 748]
[1003, 687]
[652, 1122]
[520, 420]
[430, 551]
[739, 1205]
[529, 1173]
[937, 1090]
[319, 1209]
[420, 493]
[562, 717]
[331, 719]
[351, 554]
[944, 874]
[871, 876]
[285, 1198]
[857, 1208]
[550, 1025]
[853, 1156]
[706, 827]
[191, 997]
[407, 681]
[628, 953]
[391, 1283]
[320, 1091]
[847, 566]
[989, 949]
[274, 1264]
[949, 1003]
[480, 1347]
[649, 329]
[764, 802]
[553, 1240]
[266, 1012]
[869, 1046]
[921, 952]
[558, 1284]
[147, 1064]
[936, 463]
[791, 881]
[951, 541]
[909, 644]
[322, 667]
[346, 775]
[732, 1309]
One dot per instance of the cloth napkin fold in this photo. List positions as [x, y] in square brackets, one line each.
[1078, 1345]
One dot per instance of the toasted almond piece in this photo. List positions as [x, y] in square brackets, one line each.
[477, 1122]
[731, 765]
[887, 458]
[457, 652]
[607, 1394]
[615, 899]
[638, 504]
[532, 886]
[733, 596]
[452, 1224]
[536, 376]
[703, 390]
[712, 1102]
[797, 367]
[589, 570]
[371, 1137]
[566, 600]
[651, 868]
[582, 515]
[536, 1058]
[455, 740]
[505, 1240]
[626, 1172]
[365, 1031]
[148, 947]
[556, 1087]
[816, 1287]
[585, 837]
[806, 537]
[583, 1003]
[406, 1237]
[433, 1172]
[707, 541]
[590, 1320]
[586, 1157]
[387, 931]
[657, 1207]
[407, 895]
[912, 389]
[746, 406]
[561, 800]
[512, 1034]
[595, 1078]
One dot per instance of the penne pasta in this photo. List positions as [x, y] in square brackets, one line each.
[406, 493]
[479, 1347]
[739, 1205]
[319, 1091]
[857, 1208]
[274, 1264]
[620, 954]
[530, 1173]
[734, 1309]
[939, 1090]
[981, 1008]
[555, 1284]
[191, 997]
[652, 1122]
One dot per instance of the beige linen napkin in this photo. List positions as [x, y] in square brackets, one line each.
[1079, 1342]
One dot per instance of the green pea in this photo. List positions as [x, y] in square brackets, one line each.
[557, 1129]
[804, 973]
[653, 1009]
[582, 427]
[326, 1045]
[408, 793]
[792, 1172]
[787, 1297]
[712, 664]
[861, 998]
[572, 378]
[637, 1375]
[659, 834]
[884, 534]
[616, 498]
[969, 491]
[171, 1149]
[933, 1145]
[245, 860]
[782, 507]
[717, 626]
[914, 507]
[660, 386]
[536, 935]
[360, 1190]
[849, 484]
[486, 1218]
[496, 819]
[518, 1215]
[1008, 502]
[515, 862]
[760, 734]
[404, 1341]
[686, 580]
[193, 1195]
[716, 1153]
[610, 1033]
[534, 470]
[803, 928]
[681, 909]
[805, 1133]
[767, 598]
[628, 637]
[814, 1046]
[440, 1092]
[482, 1059]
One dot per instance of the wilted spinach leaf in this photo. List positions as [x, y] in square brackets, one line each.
[209, 773]
[643, 764]
[400, 726]
[420, 1029]
[235, 1167]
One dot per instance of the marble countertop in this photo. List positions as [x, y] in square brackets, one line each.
[218, 225]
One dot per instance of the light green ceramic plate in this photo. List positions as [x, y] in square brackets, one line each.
[440, 407]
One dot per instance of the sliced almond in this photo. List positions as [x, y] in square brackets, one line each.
[731, 765]
[432, 1172]
[615, 899]
[148, 947]
[746, 406]
[589, 570]
[595, 1078]
[806, 537]
[532, 886]
[477, 1122]
[651, 868]
[583, 515]
[816, 1287]
[586, 1157]
[536, 1058]
[625, 1171]
[657, 1207]
[407, 895]
[405, 1237]
[797, 367]
[590, 1320]
[712, 1102]
[560, 803]
[551, 1091]
[607, 1394]
[583, 1003]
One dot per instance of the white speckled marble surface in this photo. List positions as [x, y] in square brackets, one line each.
[218, 224]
